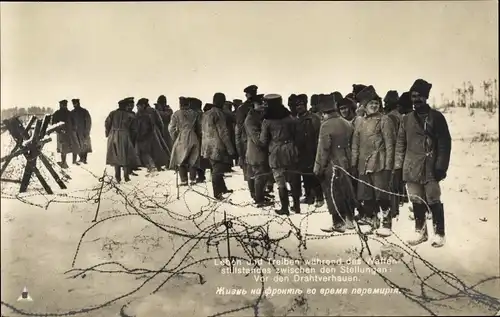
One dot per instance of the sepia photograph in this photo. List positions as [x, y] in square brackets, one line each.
[249, 158]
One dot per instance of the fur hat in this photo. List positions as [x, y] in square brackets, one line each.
[422, 87]
[63, 102]
[75, 100]
[195, 103]
[273, 100]
[143, 101]
[302, 99]
[314, 100]
[207, 107]
[405, 102]
[345, 102]
[356, 89]
[183, 102]
[391, 97]
[327, 103]
[219, 99]
[338, 96]
[252, 90]
[162, 100]
[366, 95]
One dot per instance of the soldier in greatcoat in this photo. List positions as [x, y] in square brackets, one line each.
[256, 153]
[307, 144]
[67, 141]
[83, 125]
[160, 150]
[373, 156]
[231, 125]
[146, 141]
[129, 106]
[196, 104]
[240, 133]
[185, 129]
[279, 134]
[166, 115]
[216, 144]
[422, 159]
[120, 129]
[331, 164]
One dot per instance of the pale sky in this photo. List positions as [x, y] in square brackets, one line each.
[103, 52]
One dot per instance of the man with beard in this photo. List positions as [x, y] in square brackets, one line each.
[422, 159]
[160, 150]
[307, 144]
[216, 144]
[119, 129]
[165, 113]
[373, 156]
[256, 153]
[83, 125]
[331, 162]
[146, 138]
[241, 137]
[67, 141]
[279, 133]
[185, 129]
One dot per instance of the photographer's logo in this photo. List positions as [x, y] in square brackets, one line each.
[25, 297]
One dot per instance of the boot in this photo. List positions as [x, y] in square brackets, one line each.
[126, 174]
[216, 186]
[283, 192]
[421, 235]
[308, 200]
[386, 229]
[296, 204]
[338, 226]
[118, 174]
[349, 220]
[251, 188]
[438, 225]
[75, 159]
[259, 188]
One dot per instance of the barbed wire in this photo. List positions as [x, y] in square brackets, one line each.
[245, 242]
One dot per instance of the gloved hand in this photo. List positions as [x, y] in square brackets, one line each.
[439, 175]
[396, 177]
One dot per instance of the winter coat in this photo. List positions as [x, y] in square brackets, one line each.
[256, 153]
[334, 145]
[166, 117]
[240, 133]
[67, 140]
[420, 151]
[279, 133]
[216, 142]
[83, 125]
[307, 139]
[373, 144]
[185, 130]
[119, 129]
[231, 125]
[161, 150]
[396, 118]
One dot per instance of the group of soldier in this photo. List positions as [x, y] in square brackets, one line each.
[362, 155]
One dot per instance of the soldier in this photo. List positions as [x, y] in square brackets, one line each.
[331, 162]
[120, 130]
[231, 125]
[347, 109]
[67, 141]
[129, 106]
[315, 104]
[292, 104]
[256, 153]
[236, 103]
[405, 105]
[145, 142]
[279, 133]
[216, 144]
[83, 125]
[166, 115]
[360, 109]
[422, 158]
[160, 152]
[373, 156]
[195, 104]
[185, 129]
[240, 137]
[308, 133]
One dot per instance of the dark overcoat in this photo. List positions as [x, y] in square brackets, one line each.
[307, 139]
[67, 140]
[256, 152]
[83, 125]
[240, 133]
[119, 129]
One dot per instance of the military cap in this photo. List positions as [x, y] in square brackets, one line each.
[366, 95]
[162, 100]
[75, 100]
[259, 99]
[314, 100]
[391, 97]
[252, 89]
[143, 101]
[327, 103]
[356, 89]
[422, 87]
[405, 102]
[237, 101]
[219, 99]
[273, 100]
[345, 102]
[195, 103]
[63, 102]
[338, 96]
[129, 100]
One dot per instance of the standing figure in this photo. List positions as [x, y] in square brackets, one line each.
[185, 129]
[129, 106]
[166, 115]
[231, 125]
[67, 141]
[347, 109]
[145, 140]
[216, 144]
[308, 134]
[195, 104]
[373, 156]
[279, 134]
[422, 159]
[256, 153]
[241, 137]
[330, 166]
[315, 105]
[292, 104]
[83, 125]
[160, 152]
[120, 130]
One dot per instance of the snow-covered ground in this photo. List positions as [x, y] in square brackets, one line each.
[150, 254]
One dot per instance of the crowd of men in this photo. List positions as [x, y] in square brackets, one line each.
[357, 153]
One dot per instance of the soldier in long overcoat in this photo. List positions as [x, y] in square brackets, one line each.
[216, 144]
[423, 151]
[279, 134]
[256, 153]
[119, 128]
[307, 144]
[185, 129]
[165, 113]
[373, 156]
[160, 151]
[83, 125]
[196, 104]
[67, 141]
[231, 125]
[146, 139]
[331, 164]
[240, 133]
